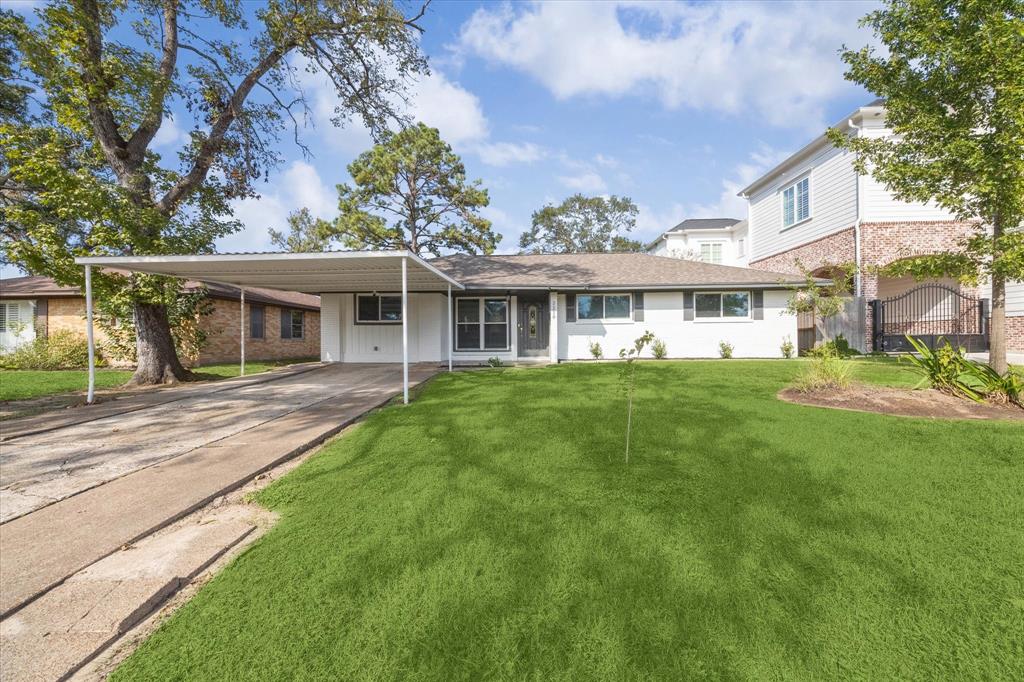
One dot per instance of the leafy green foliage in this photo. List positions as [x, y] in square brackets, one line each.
[62, 349]
[596, 351]
[435, 542]
[495, 362]
[583, 224]
[951, 74]
[410, 192]
[824, 300]
[725, 349]
[659, 350]
[81, 178]
[828, 370]
[948, 370]
[787, 348]
[184, 312]
[837, 346]
[306, 234]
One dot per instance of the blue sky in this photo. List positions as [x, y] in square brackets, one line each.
[676, 105]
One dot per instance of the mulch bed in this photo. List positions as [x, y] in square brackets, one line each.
[903, 402]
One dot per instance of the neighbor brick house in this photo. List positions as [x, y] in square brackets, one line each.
[280, 325]
[816, 210]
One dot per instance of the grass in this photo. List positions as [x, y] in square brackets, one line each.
[490, 530]
[25, 384]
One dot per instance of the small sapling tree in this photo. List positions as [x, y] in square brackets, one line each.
[627, 378]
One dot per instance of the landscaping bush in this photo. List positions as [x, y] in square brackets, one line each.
[787, 347]
[837, 346]
[659, 349]
[595, 350]
[947, 370]
[725, 349]
[60, 350]
[828, 370]
[495, 361]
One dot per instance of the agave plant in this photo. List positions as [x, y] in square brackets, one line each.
[947, 370]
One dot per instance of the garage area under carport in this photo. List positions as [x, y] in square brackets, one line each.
[312, 273]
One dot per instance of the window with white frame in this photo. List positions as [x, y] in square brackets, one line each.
[481, 323]
[741, 248]
[711, 252]
[375, 309]
[603, 306]
[721, 305]
[796, 202]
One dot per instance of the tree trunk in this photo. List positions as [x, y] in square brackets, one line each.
[997, 327]
[157, 358]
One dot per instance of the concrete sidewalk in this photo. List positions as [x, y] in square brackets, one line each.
[43, 548]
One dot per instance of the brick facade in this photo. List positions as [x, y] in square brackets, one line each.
[221, 327]
[883, 243]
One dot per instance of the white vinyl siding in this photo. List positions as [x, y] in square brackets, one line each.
[878, 203]
[833, 183]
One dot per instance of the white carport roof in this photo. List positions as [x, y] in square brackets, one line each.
[313, 273]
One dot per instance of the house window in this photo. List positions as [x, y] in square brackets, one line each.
[374, 309]
[796, 202]
[481, 324]
[722, 305]
[711, 252]
[292, 324]
[9, 316]
[603, 307]
[256, 326]
[741, 248]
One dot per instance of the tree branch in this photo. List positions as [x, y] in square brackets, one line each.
[154, 116]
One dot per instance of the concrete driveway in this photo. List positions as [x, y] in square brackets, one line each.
[106, 475]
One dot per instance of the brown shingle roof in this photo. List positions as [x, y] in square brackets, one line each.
[582, 270]
[35, 286]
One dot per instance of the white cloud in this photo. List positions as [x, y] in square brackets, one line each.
[170, 136]
[729, 205]
[505, 153]
[587, 181]
[298, 186]
[606, 161]
[777, 61]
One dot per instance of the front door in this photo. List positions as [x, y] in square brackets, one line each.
[533, 325]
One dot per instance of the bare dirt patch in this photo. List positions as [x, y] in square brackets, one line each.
[902, 402]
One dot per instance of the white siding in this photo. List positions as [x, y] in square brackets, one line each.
[1014, 297]
[663, 315]
[687, 244]
[833, 204]
[878, 204]
[330, 328]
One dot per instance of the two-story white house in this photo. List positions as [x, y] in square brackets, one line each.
[814, 209]
[721, 241]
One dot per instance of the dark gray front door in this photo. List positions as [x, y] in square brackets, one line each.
[533, 325]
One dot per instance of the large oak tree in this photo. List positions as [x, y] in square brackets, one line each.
[582, 224]
[107, 74]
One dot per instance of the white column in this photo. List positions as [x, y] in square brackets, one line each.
[241, 369]
[91, 394]
[405, 332]
[553, 327]
[451, 329]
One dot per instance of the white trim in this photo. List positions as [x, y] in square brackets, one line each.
[451, 337]
[749, 317]
[796, 212]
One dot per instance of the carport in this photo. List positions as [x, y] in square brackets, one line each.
[312, 273]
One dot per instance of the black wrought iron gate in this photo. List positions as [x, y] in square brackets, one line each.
[930, 312]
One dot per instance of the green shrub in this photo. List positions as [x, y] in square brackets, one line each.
[787, 348]
[495, 362]
[827, 370]
[659, 350]
[725, 349]
[837, 346]
[947, 370]
[595, 350]
[60, 350]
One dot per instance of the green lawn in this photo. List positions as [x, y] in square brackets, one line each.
[490, 530]
[23, 384]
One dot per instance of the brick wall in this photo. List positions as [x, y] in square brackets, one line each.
[883, 243]
[222, 329]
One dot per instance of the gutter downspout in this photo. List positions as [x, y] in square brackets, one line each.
[856, 224]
